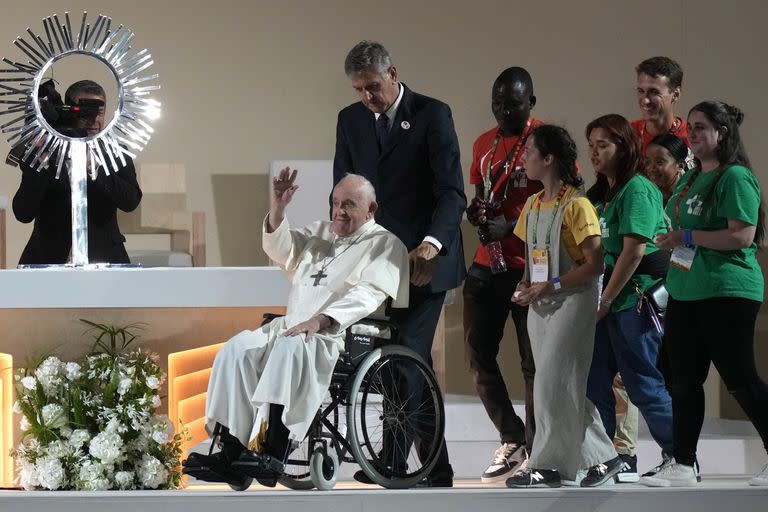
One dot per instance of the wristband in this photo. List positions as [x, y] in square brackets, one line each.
[687, 238]
[556, 283]
[605, 302]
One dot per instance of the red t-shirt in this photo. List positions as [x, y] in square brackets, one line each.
[681, 130]
[519, 189]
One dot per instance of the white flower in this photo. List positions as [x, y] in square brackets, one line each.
[124, 479]
[24, 424]
[28, 477]
[73, 371]
[79, 437]
[153, 382]
[130, 371]
[92, 477]
[29, 382]
[156, 402]
[124, 386]
[58, 449]
[106, 446]
[160, 437]
[65, 431]
[54, 416]
[16, 407]
[48, 373]
[50, 473]
[114, 425]
[151, 472]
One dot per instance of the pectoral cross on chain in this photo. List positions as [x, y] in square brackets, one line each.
[318, 276]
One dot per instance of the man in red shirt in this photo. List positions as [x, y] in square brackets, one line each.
[659, 83]
[501, 189]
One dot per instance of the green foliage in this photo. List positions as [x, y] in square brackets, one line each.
[111, 339]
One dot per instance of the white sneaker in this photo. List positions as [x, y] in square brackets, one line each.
[508, 459]
[761, 478]
[672, 474]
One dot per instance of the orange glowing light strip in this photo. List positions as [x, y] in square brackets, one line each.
[6, 419]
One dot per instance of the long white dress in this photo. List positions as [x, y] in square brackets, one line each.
[256, 368]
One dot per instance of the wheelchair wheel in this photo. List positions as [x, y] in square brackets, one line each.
[395, 400]
[324, 468]
[242, 486]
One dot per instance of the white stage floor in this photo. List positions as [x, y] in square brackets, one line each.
[713, 494]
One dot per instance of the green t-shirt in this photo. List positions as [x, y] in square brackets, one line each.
[716, 273]
[636, 209]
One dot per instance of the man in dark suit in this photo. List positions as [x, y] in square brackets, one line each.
[48, 201]
[406, 145]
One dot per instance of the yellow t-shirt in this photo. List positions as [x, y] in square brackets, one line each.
[580, 221]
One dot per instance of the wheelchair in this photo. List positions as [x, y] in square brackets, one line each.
[383, 400]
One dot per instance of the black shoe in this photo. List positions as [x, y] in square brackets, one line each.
[363, 478]
[260, 466]
[442, 477]
[212, 468]
[603, 472]
[628, 474]
[531, 477]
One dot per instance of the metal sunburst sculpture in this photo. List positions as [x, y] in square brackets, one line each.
[128, 131]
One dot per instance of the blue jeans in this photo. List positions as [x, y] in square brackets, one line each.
[627, 342]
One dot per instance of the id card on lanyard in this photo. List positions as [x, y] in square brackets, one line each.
[540, 267]
[682, 256]
[540, 255]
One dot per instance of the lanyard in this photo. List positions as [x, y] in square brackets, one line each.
[685, 190]
[552, 220]
[513, 156]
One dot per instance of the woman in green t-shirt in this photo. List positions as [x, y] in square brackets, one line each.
[715, 284]
[627, 340]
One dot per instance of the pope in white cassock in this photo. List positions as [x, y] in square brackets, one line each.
[340, 271]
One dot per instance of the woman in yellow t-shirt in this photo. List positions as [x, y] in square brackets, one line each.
[563, 262]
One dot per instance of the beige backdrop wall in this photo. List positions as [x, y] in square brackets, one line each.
[248, 82]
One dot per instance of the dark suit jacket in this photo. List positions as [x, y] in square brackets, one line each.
[47, 201]
[417, 176]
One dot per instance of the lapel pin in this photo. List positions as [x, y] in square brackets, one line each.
[405, 125]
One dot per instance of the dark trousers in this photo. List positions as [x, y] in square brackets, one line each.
[417, 326]
[487, 305]
[719, 330]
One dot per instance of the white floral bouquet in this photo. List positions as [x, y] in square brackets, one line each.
[91, 425]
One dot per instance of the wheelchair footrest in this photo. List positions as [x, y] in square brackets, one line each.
[258, 465]
[208, 474]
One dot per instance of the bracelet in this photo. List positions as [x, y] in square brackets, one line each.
[687, 238]
[605, 302]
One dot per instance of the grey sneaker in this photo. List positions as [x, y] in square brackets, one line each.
[508, 459]
[603, 472]
[672, 474]
[628, 474]
[668, 459]
[761, 478]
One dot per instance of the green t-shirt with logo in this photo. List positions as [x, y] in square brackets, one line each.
[716, 273]
[636, 209]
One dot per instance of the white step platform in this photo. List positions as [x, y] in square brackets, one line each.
[729, 451]
[713, 495]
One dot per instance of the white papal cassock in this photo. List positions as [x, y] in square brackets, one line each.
[260, 367]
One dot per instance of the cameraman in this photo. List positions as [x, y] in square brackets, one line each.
[47, 200]
[490, 283]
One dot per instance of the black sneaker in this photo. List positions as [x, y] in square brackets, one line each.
[530, 477]
[628, 474]
[603, 472]
[508, 458]
[667, 460]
